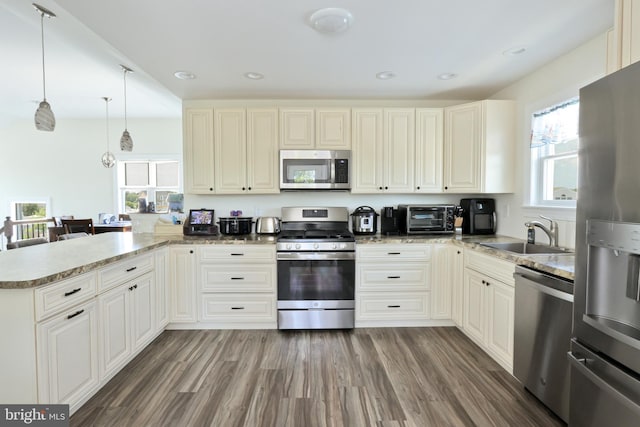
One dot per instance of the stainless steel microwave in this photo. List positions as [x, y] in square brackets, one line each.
[427, 219]
[315, 169]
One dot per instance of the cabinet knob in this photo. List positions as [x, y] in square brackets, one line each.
[210, 188]
[249, 188]
[458, 252]
[379, 188]
[446, 188]
[191, 251]
[243, 188]
[418, 187]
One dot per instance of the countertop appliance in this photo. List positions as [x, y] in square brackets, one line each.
[426, 219]
[544, 305]
[200, 223]
[605, 350]
[364, 220]
[235, 225]
[315, 254]
[389, 221]
[315, 169]
[267, 225]
[479, 216]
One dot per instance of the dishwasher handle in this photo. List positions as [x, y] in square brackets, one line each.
[522, 279]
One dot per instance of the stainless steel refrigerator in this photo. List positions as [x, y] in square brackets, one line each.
[605, 349]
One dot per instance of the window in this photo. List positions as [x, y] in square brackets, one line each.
[554, 155]
[32, 211]
[145, 185]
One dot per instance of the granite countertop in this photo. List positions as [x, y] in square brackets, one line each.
[42, 264]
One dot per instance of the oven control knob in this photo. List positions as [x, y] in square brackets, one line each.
[316, 245]
[289, 245]
[298, 245]
[334, 246]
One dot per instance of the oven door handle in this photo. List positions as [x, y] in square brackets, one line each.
[315, 256]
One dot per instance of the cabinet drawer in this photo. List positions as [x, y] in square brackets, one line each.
[123, 271]
[403, 277]
[62, 295]
[217, 278]
[238, 308]
[238, 253]
[399, 306]
[491, 266]
[404, 252]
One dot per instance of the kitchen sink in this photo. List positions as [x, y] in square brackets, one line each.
[526, 248]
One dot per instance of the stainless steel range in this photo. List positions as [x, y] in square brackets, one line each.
[316, 269]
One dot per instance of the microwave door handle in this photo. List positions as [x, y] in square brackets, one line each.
[495, 220]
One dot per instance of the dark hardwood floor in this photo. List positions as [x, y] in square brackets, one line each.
[365, 377]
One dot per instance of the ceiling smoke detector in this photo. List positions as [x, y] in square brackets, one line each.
[254, 76]
[184, 75]
[331, 20]
[385, 75]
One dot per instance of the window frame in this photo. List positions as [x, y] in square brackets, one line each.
[152, 188]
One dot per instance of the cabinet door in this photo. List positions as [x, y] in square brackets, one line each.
[162, 288]
[297, 128]
[429, 147]
[231, 155]
[474, 315]
[441, 282]
[115, 329]
[463, 148]
[399, 158]
[68, 355]
[183, 284]
[627, 32]
[500, 306]
[262, 151]
[198, 151]
[367, 155]
[457, 283]
[333, 129]
[142, 310]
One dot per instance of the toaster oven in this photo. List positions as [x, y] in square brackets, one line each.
[427, 219]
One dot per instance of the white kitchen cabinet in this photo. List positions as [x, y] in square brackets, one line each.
[333, 129]
[383, 150]
[479, 147]
[393, 284]
[441, 281]
[429, 150]
[238, 286]
[456, 258]
[68, 356]
[246, 151]
[623, 47]
[127, 322]
[297, 128]
[162, 288]
[182, 283]
[488, 313]
[198, 151]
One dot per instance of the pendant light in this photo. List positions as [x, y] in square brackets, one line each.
[108, 159]
[126, 143]
[44, 118]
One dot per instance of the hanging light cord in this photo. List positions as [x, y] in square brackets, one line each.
[125, 98]
[107, 105]
[44, 86]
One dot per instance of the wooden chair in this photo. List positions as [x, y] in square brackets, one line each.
[124, 217]
[78, 225]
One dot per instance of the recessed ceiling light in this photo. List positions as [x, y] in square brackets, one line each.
[515, 51]
[253, 75]
[385, 75]
[331, 20]
[447, 76]
[184, 75]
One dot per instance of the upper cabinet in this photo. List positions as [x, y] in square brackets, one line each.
[246, 151]
[479, 141]
[429, 142]
[198, 151]
[315, 129]
[383, 150]
[623, 41]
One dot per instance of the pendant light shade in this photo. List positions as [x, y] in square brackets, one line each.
[126, 143]
[44, 118]
[108, 159]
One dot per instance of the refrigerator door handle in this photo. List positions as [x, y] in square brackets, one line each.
[581, 365]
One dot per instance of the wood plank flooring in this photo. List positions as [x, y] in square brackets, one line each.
[364, 377]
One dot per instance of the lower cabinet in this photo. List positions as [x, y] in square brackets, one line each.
[182, 284]
[488, 306]
[68, 356]
[237, 286]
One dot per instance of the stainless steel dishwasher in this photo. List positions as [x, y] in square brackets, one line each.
[543, 316]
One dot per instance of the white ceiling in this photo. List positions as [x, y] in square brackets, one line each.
[221, 40]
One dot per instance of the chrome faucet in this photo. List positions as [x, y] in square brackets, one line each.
[551, 231]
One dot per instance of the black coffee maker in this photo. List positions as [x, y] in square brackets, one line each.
[389, 221]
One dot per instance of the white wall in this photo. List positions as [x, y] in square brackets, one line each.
[64, 168]
[551, 84]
